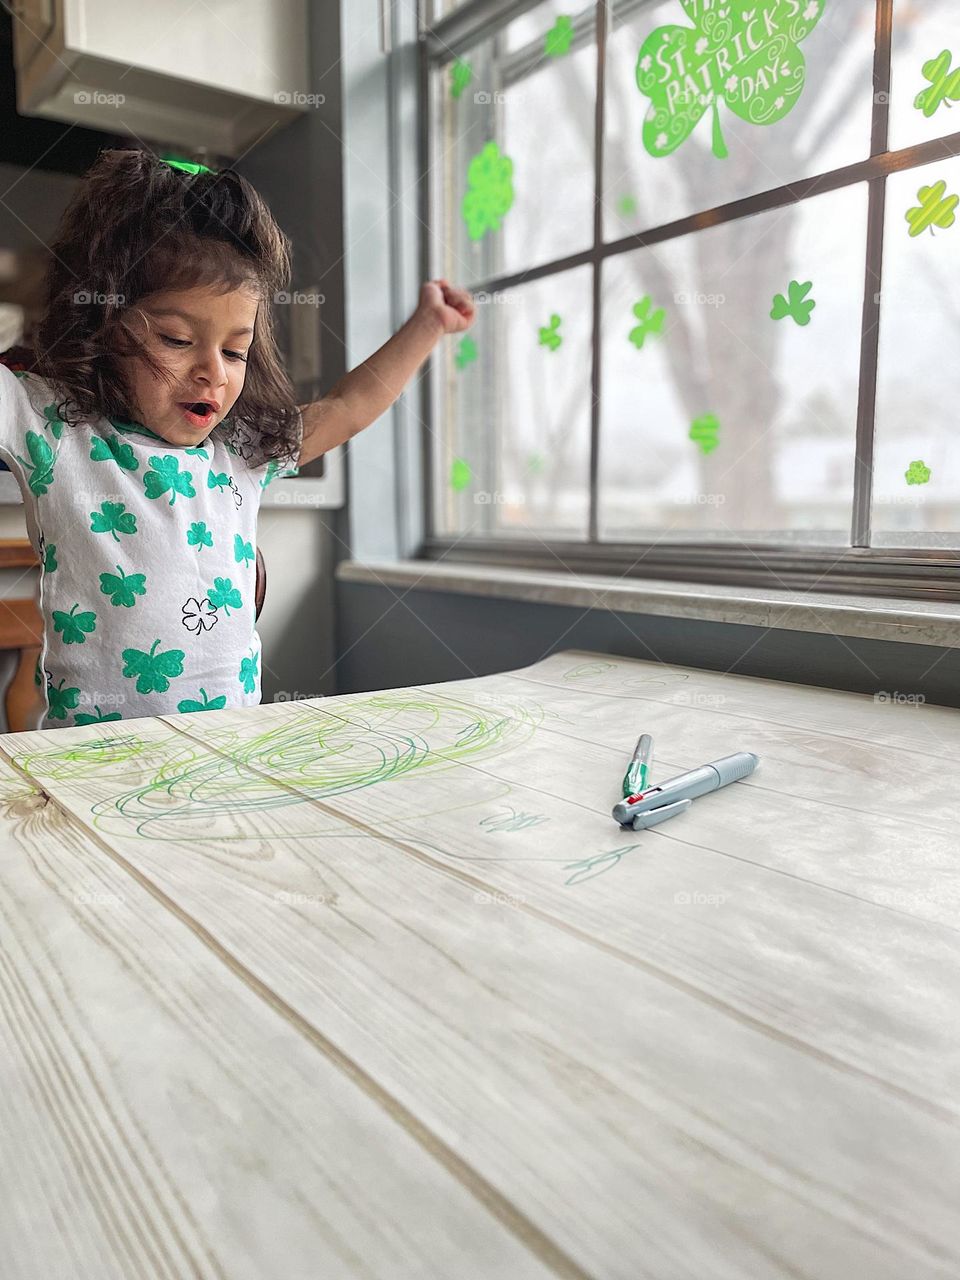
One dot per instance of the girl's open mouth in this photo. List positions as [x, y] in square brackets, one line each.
[197, 414]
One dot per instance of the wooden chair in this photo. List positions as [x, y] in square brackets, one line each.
[21, 639]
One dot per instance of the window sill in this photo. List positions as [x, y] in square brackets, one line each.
[865, 617]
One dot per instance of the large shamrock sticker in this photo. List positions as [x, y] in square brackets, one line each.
[489, 193]
[153, 670]
[743, 52]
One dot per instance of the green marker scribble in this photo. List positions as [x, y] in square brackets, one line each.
[559, 38]
[460, 475]
[936, 209]
[794, 304]
[466, 353]
[704, 432]
[489, 192]
[918, 473]
[735, 54]
[944, 85]
[549, 337]
[460, 75]
[650, 323]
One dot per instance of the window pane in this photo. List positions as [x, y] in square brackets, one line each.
[917, 451]
[514, 132]
[921, 34]
[512, 444]
[728, 423]
[827, 127]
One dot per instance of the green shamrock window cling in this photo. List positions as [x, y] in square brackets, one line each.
[550, 335]
[705, 432]
[460, 475]
[466, 353]
[651, 322]
[796, 305]
[944, 86]
[489, 193]
[460, 76]
[745, 53]
[918, 473]
[559, 38]
[936, 209]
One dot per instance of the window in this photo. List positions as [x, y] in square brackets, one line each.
[714, 253]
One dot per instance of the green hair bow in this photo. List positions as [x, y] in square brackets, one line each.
[187, 166]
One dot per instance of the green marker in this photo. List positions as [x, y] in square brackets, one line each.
[638, 771]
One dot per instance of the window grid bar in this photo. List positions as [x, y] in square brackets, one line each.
[593, 531]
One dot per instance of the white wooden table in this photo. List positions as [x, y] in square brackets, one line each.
[374, 986]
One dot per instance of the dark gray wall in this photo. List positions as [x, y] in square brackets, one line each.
[387, 638]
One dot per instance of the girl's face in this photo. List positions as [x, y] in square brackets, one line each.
[203, 338]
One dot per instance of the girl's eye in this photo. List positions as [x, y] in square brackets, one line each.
[180, 342]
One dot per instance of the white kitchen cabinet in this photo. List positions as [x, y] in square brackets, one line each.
[213, 76]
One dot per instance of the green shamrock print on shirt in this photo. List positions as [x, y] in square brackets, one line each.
[223, 594]
[40, 466]
[113, 518]
[199, 536]
[217, 480]
[53, 420]
[208, 704]
[75, 626]
[84, 717]
[243, 552]
[248, 674]
[61, 700]
[102, 450]
[166, 477]
[153, 670]
[50, 557]
[199, 452]
[123, 588]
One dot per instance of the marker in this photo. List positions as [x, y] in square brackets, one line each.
[655, 816]
[687, 786]
[638, 771]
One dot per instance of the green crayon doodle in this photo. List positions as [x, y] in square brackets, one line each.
[649, 323]
[918, 473]
[936, 209]
[795, 304]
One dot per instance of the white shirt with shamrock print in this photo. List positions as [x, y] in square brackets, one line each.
[147, 554]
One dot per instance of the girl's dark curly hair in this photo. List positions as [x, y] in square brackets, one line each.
[136, 227]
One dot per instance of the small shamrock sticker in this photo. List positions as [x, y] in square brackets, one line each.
[199, 536]
[559, 38]
[460, 475]
[60, 700]
[466, 353]
[74, 626]
[795, 304]
[549, 337]
[248, 674]
[166, 477]
[243, 552]
[123, 588]
[224, 595]
[944, 85]
[40, 466]
[936, 209]
[207, 704]
[113, 518]
[153, 670]
[460, 74]
[704, 432]
[120, 452]
[650, 323]
[489, 193]
[85, 717]
[199, 615]
[918, 473]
